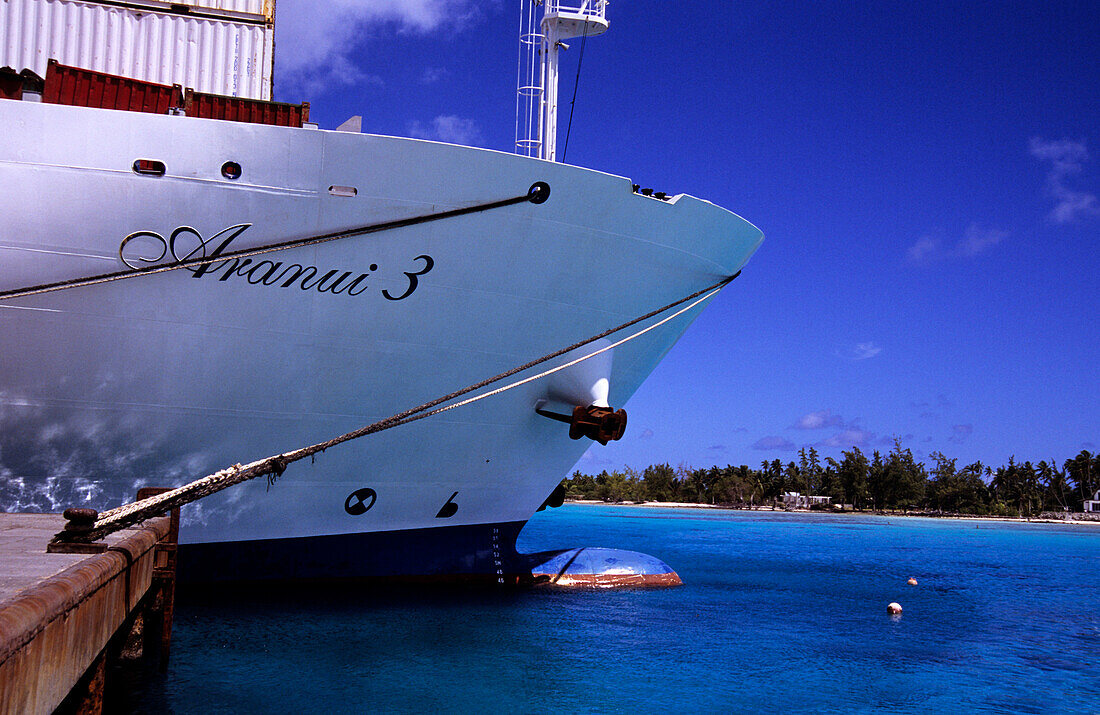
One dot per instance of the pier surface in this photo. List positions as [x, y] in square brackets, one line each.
[60, 613]
[23, 558]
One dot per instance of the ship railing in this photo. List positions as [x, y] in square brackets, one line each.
[594, 8]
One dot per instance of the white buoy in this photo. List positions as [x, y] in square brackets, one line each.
[894, 609]
[912, 581]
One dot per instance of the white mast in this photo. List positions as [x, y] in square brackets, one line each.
[537, 76]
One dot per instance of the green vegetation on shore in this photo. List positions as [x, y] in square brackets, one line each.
[891, 481]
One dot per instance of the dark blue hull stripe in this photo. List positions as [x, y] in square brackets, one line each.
[477, 551]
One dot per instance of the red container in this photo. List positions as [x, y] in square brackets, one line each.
[240, 109]
[86, 88]
[11, 84]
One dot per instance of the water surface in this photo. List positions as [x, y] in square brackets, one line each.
[778, 612]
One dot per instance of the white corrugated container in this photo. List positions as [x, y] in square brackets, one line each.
[262, 10]
[218, 46]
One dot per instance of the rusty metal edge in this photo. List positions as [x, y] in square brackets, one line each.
[29, 612]
[601, 581]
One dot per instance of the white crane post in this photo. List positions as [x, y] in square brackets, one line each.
[537, 136]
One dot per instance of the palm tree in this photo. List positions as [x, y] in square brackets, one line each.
[1082, 472]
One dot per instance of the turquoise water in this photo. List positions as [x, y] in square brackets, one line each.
[778, 612]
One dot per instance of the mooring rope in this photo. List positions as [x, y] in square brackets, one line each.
[128, 514]
[537, 194]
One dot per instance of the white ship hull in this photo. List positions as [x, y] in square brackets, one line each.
[157, 380]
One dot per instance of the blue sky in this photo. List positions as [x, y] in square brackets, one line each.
[926, 175]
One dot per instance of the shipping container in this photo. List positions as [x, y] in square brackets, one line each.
[85, 88]
[16, 85]
[221, 47]
[238, 109]
[11, 84]
[254, 10]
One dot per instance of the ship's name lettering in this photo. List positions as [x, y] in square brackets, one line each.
[186, 244]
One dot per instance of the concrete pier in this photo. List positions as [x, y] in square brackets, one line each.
[64, 615]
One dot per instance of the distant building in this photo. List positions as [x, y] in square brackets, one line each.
[1093, 504]
[794, 500]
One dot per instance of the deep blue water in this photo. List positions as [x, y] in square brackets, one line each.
[778, 612]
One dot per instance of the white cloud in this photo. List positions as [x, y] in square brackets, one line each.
[1066, 157]
[593, 459]
[315, 39]
[431, 75]
[923, 249]
[338, 73]
[977, 239]
[1072, 204]
[853, 437]
[960, 433]
[859, 351]
[819, 420]
[773, 443]
[448, 128]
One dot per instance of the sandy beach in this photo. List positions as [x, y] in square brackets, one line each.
[1075, 520]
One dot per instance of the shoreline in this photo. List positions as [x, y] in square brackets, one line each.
[831, 512]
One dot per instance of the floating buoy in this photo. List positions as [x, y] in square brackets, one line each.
[912, 581]
[894, 609]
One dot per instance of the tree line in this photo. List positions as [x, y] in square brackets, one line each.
[891, 481]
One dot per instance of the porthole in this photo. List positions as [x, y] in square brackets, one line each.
[149, 167]
[343, 190]
[231, 170]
